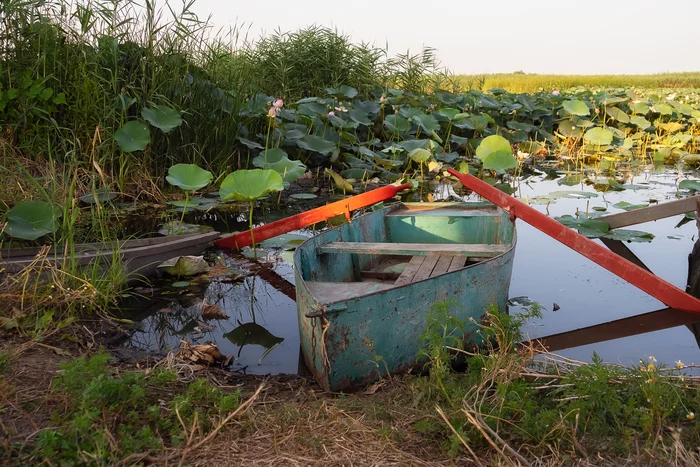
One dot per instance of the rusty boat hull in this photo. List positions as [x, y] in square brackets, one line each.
[365, 289]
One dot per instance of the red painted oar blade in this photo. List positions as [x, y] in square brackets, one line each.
[658, 288]
[311, 217]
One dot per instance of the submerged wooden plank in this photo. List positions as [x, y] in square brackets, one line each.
[426, 269]
[619, 248]
[443, 264]
[651, 213]
[458, 262]
[625, 327]
[410, 271]
[477, 250]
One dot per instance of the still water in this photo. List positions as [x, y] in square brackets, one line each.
[261, 329]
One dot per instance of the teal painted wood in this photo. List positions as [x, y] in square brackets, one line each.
[348, 341]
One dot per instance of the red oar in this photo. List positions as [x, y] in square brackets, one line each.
[635, 275]
[313, 216]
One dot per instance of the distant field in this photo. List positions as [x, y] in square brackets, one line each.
[521, 82]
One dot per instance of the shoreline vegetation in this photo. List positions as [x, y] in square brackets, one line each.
[110, 110]
[520, 82]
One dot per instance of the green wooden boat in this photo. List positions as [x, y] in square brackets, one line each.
[364, 289]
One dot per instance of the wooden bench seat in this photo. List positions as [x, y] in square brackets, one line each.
[474, 250]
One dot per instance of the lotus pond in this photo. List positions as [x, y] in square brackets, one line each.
[260, 327]
[576, 155]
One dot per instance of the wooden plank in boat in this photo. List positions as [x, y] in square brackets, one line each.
[443, 264]
[410, 271]
[458, 262]
[426, 269]
[331, 292]
[476, 250]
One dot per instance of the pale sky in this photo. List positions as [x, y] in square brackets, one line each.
[545, 36]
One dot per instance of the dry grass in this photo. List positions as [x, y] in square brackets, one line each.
[312, 428]
[522, 82]
[288, 420]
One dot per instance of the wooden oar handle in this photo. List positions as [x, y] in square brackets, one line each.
[640, 278]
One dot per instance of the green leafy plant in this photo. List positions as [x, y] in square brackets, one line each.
[188, 177]
[248, 186]
[108, 416]
[496, 153]
[30, 220]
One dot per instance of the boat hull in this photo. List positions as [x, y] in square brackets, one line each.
[353, 341]
[140, 258]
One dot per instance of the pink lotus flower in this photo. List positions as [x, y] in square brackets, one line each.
[272, 113]
[382, 99]
[331, 113]
[555, 92]
[278, 104]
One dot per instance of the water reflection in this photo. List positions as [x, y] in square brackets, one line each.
[260, 332]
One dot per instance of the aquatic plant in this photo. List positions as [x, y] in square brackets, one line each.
[188, 177]
[248, 186]
[30, 220]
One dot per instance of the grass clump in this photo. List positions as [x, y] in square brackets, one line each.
[309, 61]
[4, 363]
[107, 417]
[524, 404]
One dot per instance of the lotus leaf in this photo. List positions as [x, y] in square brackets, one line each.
[250, 144]
[640, 108]
[316, 144]
[663, 109]
[641, 122]
[303, 196]
[30, 220]
[189, 177]
[133, 136]
[419, 155]
[102, 195]
[343, 91]
[618, 114]
[360, 117]
[692, 185]
[163, 117]
[576, 107]
[184, 266]
[340, 182]
[249, 185]
[598, 136]
[397, 124]
[496, 153]
[629, 206]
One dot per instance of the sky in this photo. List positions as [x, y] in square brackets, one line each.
[534, 36]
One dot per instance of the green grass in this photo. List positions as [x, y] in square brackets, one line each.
[521, 82]
[552, 404]
[107, 416]
[73, 73]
